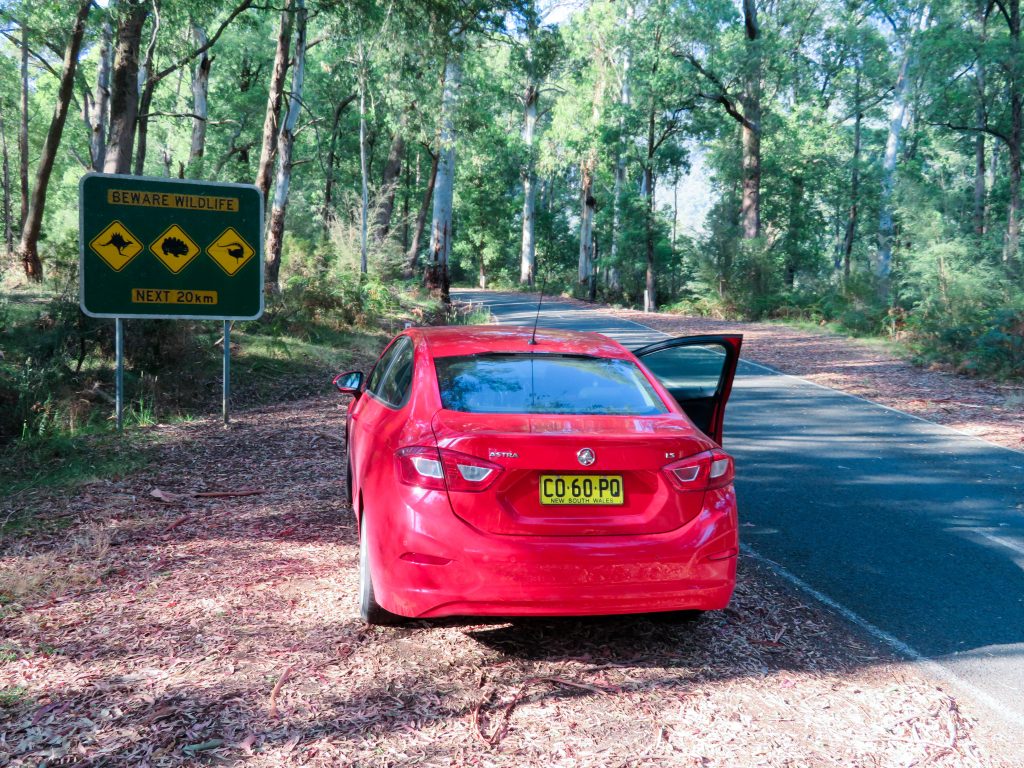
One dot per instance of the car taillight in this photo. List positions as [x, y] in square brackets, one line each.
[703, 472]
[440, 468]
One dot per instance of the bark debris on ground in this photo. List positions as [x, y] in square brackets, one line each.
[203, 611]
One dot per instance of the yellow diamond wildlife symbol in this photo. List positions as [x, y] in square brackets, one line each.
[174, 249]
[230, 251]
[116, 245]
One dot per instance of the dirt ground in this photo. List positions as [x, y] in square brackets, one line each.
[164, 628]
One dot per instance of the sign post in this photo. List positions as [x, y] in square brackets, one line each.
[170, 249]
[226, 394]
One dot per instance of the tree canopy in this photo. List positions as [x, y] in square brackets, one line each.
[849, 160]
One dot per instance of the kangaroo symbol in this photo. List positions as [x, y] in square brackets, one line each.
[118, 242]
[234, 249]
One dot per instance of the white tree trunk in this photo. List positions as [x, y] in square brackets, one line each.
[23, 125]
[527, 260]
[444, 187]
[364, 208]
[200, 91]
[625, 99]
[5, 184]
[897, 117]
[585, 268]
[898, 112]
[97, 119]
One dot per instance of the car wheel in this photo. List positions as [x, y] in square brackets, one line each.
[370, 610]
[348, 482]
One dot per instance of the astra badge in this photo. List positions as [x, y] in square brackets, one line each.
[502, 455]
[586, 456]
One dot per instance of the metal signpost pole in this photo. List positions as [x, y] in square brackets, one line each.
[119, 374]
[227, 369]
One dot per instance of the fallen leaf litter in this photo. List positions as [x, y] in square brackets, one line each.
[201, 624]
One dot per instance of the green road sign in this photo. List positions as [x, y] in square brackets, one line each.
[169, 248]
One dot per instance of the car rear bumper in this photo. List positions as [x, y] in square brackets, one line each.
[440, 566]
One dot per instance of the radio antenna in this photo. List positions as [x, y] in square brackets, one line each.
[540, 299]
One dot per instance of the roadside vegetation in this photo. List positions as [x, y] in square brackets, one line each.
[57, 368]
[857, 164]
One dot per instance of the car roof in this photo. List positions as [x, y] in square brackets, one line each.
[451, 340]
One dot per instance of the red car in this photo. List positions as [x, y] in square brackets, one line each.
[498, 471]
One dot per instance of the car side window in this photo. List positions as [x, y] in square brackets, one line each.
[397, 380]
[377, 374]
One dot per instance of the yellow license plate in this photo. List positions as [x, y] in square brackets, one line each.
[581, 489]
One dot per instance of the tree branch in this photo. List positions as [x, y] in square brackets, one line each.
[46, 65]
[722, 97]
[971, 129]
[244, 5]
[1002, 9]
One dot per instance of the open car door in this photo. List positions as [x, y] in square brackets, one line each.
[698, 372]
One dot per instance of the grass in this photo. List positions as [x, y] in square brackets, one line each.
[56, 377]
[12, 696]
[59, 430]
[873, 339]
[65, 462]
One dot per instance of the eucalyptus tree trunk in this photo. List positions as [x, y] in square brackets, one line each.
[585, 265]
[96, 106]
[27, 248]
[898, 112]
[23, 124]
[436, 276]
[1011, 251]
[897, 116]
[332, 154]
[528, 245]
[625, 99]
[410, 184]
[149, 78]
[979, 179]
[851, 219]
[750, 210]
[980, 123]
[528, 249]
[200, 107]
[364, 173]
[147, 86]
[275, 98]
[124, 89]
[285, 144]
[647, 191]
[413, 254]
[389, 180]
[6, 189]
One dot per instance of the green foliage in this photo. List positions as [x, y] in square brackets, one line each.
[964, 313]
[621, 88]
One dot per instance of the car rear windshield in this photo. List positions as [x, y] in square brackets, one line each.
[545, 383]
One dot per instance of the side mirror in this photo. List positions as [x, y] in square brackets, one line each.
[349, 383]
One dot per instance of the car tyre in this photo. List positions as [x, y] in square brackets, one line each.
[348, 482]
[370, 610]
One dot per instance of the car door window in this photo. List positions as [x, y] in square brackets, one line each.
[396, 382]
[373, 384]
[698, 372]
[688, 372]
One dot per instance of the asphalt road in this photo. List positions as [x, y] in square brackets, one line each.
[911, 527]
